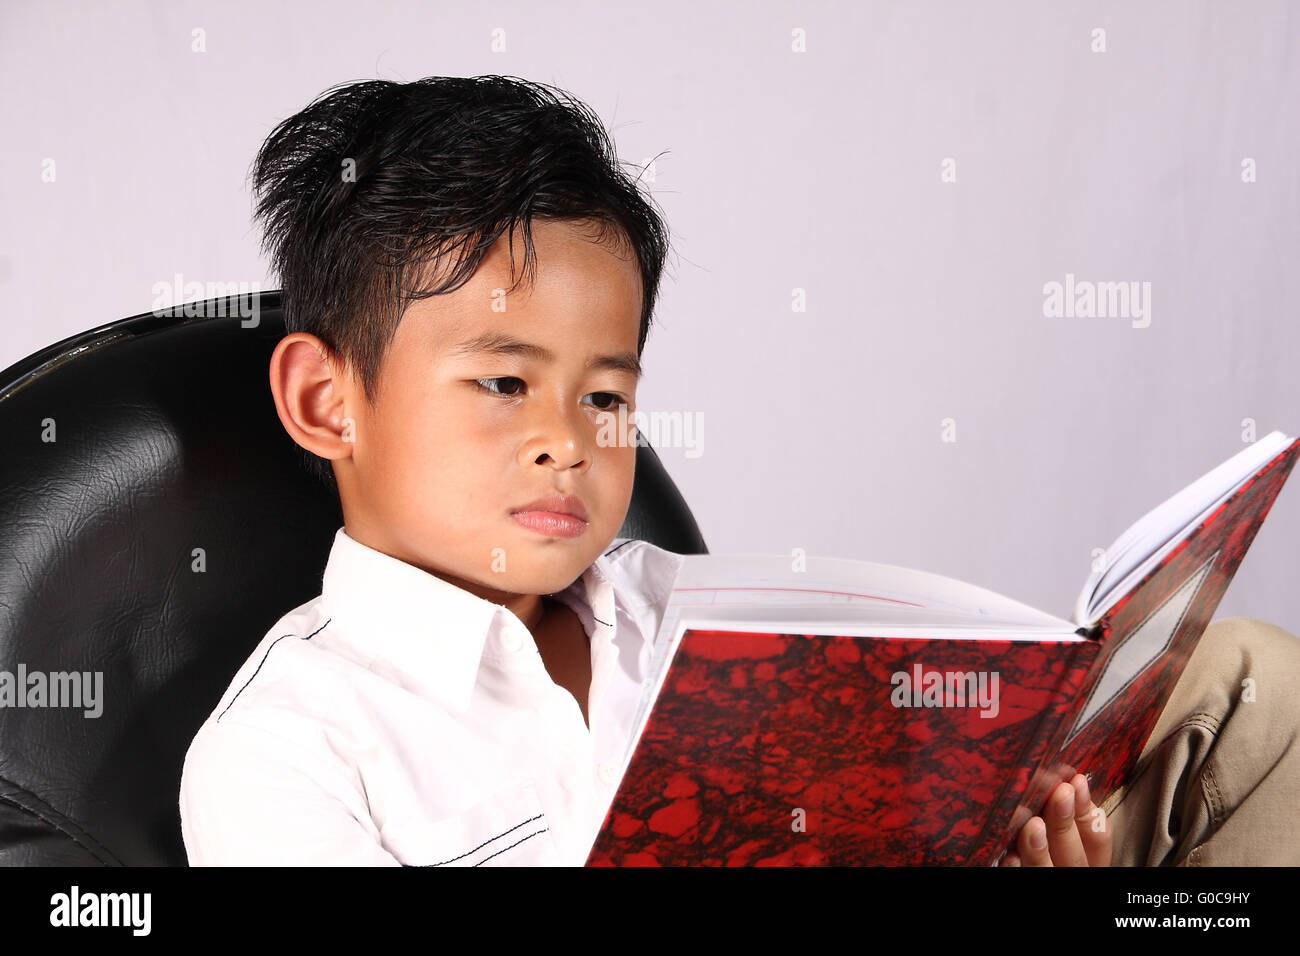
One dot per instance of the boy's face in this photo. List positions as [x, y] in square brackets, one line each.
[461, 438]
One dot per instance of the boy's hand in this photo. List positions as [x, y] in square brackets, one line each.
[1076, 832]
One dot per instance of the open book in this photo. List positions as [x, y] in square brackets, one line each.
[828, 711]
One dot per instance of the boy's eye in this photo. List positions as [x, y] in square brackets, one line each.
[611, 401]
[614, 401]
[480, 382]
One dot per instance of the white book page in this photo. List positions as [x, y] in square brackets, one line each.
[1149, 539]
[883, 622]
[865, 591]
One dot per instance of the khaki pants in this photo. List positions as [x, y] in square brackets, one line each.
[1218, 782]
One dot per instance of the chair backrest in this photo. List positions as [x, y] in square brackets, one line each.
[131, 453]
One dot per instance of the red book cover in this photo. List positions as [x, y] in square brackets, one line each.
[1146, 639]
[766, 747]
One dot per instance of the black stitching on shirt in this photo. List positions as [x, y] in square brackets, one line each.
[263, 661]
[489, 840]
[512, 846]
[607, 554]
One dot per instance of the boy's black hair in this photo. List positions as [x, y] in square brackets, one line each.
[375, 181]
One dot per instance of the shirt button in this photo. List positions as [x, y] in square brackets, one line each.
[608, 773]
[511, 640]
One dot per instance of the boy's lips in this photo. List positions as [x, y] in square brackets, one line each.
[555, 516]
[556, 503]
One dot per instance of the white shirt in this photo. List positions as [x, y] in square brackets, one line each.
[399, 719]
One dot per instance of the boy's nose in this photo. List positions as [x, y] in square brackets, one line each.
[560, 439]
[565, 455]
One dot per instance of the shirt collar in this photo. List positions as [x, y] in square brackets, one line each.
[429, 634]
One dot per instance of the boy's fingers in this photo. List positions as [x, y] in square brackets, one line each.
[1093, 826]
[1063, 840]
[1071, 832]
[1032, 844]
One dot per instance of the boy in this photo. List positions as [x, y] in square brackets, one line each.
[461, 692]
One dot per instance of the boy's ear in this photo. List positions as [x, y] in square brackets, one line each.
[313, 394]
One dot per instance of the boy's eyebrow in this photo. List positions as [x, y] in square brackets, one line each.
[500, 343]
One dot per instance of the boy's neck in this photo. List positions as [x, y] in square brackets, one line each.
[535, 616]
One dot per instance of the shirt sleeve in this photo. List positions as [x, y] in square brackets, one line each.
[250, 797]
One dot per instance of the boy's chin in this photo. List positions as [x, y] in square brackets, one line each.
[551, 569]
[536, 584]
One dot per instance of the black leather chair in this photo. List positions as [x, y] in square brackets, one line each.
[166, 441]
